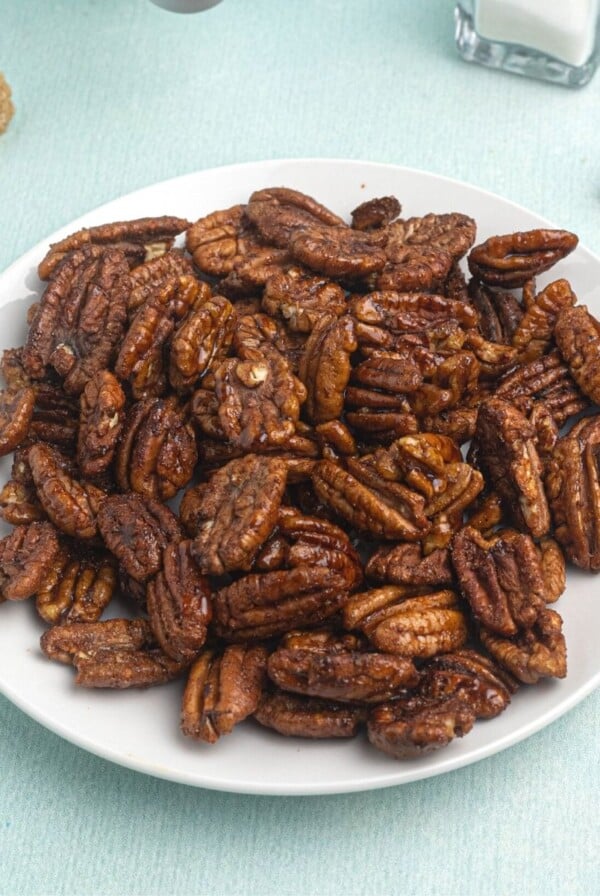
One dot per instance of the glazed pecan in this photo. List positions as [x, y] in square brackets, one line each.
[553, 567]
[502, 579]
[469, 676]
[299, 299]
[80, 320]
[508, 454]
[511, 260]
[533, 336]
[235, 512]
[453, 232]
[77, 589]
[335, 439]
[178, 600]
[412, 727]
[297, 716]
[546, 380]
[573, 486]
[405, 564]
[148, 279]
[201, 341]
[71, 505]
[486, 514]
[339, 251]
[325, 366]
[102, 404]
[13, 369]
[385, 316]
[534, 653]
[457, 423]
[223, 688]
[55, 416]
[19, 503]
[136, 530]
[375, 213]
[117, 653]
[312, 568]
[26, 557]
[334, 672]
[16, 412]
[154, 235]
[277, 212]
[500, 313]
[577, 335]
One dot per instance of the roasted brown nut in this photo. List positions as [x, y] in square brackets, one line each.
[325, 366]
[55, 416]
[157, 454]
[577, 335]
[19, 504]
[236, 512]
[26, 557]
[100, 422]
[469, 676]
[149, 279]
[222, 690]
[533, 336]
[80, 320]
[500, 313]
[296, 716]
[141, 360]
[415, 269]
[454, 233]
[406, 729]
[201, 340]
[502, 579]
[573, 487]
[370, 502]
[386, 314]
[494, 359]
[312, 569]
[546, 380]
[71, 505]
[299, 299]
[117, 653]
[487, 514]
[136, 530]
[456, 423]
[508, 454]
[512, 260]
[336, 673]
[77, 589]
[554, 569]
[375, 213]
[16, 412]
[179, 608]
[149, 233]
[534, 653]
[217, 241]
[278, 212]
[405, 564]
[339, 251]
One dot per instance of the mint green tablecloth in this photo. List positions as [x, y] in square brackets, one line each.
[116, 94]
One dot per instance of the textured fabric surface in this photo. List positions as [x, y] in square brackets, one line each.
[112, 95]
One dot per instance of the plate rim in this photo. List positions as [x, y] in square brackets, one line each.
[376, 781]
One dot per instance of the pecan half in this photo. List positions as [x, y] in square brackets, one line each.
[149, 279]
[339, 251]
[511, 260]
[534, 653]
[533, 336]
[325, 367]
[101, 419]
[405, 564]
[546, 380]
[26, 557]
[223, 688]
[577, 335]
[200, 341]
[296, 716]
[277, 212]
[375, 213]
[299, 299]
[406, 729]
[78, 589]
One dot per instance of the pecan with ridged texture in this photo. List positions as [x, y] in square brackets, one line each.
[178, 600]
[71, 505]
[116, 653]
[16, 412]
[494, 357]
[235, 512]
[217, 242]
[102, 404]
[277, 212]
[375, 213]
[155, 235]
[500, 313]
[507, 453]
[335, 672]
[325, 366]
[222, 689]
[572, 480]
[457, 423]
[80, 320]
[311, 568]
[486, 514]
[19, 503]
[335, 439]
[78, 588]
[157, 454]
[299, 299]
[386, 314]
[26, 556]
[405, 564]
[148, 279]
[414, 726]
[200, 341]
[453, 232]
[577, 335]
[136, 530]
[469, 676]
[294, 715]
[546, 380]
[12, 368]
[415, 269]
[512, 259]
[502, 578]
[142, 359]
[553, 567]
[339, 251]
[533, 336]
[55, 416]
[534, 653]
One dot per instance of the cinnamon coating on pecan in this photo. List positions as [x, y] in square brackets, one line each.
[77, 589]
[16, 413]
[339, 252]
[577, 335]
[200, 342]
[26, 556]
[149, 279]
[511, 260]
[278, 212]
[534, 653]
[102, 404]
[299, 299]
[297, 716]
[375, 213]
[325, 366]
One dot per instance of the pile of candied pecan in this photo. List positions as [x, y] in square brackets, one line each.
[304, 386]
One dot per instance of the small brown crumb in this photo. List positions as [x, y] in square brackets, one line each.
[7, 110]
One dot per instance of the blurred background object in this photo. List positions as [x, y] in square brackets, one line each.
[6, 107]
[186, 5]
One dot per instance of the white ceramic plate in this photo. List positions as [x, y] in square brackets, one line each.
[139, 729]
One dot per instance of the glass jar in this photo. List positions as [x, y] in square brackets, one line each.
[555, 41]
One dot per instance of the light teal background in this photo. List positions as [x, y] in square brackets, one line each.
[112, 95]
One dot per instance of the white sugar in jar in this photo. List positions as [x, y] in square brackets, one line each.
[556, 41]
